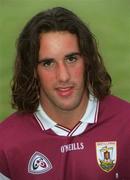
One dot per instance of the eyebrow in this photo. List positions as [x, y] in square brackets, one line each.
[44, 59]
[73, 54]
[66, 56]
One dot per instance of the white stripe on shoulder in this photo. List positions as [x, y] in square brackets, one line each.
[2, 177]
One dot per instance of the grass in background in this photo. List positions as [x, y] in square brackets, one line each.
[109, 21]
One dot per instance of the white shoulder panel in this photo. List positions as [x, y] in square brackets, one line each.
[2, 177]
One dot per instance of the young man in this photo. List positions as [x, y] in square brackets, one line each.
[67, 126]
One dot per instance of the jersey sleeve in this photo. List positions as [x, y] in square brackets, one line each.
[4, 171]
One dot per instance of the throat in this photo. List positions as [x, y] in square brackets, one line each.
[70, 119]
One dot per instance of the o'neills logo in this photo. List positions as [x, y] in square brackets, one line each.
[106, 155]
[72, 147]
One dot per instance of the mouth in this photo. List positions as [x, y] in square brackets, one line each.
[65, 91]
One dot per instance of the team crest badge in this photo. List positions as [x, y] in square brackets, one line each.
[106, 155]
[39, 164]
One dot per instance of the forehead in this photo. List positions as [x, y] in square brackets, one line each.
[58, 36]
[61, 42]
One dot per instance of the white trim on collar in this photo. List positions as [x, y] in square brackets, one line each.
[90, 116]
[44, 119]
[91, 111]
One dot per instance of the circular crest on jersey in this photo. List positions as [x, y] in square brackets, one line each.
[39, 164]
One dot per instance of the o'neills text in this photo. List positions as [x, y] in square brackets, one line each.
[72, 147]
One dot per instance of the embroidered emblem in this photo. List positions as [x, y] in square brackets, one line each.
[106, 155]
[39, 164]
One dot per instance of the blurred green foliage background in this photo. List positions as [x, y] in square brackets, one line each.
[108, 20]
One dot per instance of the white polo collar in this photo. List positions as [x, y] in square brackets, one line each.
[89, 117]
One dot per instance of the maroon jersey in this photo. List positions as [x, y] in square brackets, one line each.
[30, 151]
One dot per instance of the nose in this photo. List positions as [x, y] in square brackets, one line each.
[63, 73]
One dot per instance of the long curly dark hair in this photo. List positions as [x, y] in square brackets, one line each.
[25, 87]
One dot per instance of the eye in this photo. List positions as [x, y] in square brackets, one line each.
[47, 63]
[72, 59]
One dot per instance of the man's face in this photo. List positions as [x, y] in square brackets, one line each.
[61, 71]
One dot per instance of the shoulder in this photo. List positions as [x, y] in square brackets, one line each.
[14, 120]
[115, 103]
[115, 109]
[14, 125]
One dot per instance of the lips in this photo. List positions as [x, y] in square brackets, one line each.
[64, 91]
